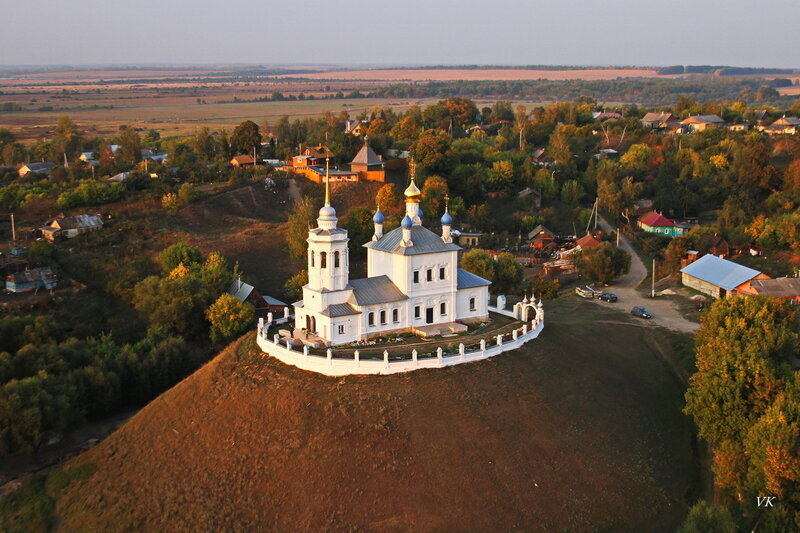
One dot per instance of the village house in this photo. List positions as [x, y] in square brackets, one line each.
[783, 126]
[244, 292]
[654, 222]
[715, 245]
[368, 164]
[540, 237]
[784, 288]
[241, 161]
[466, 239]
[313, 167]
[606, 115]
[31, 280]
[660, 120]
[42, 169]
[586, 242]
[356, 127]
[719, 277]
[539, 157]
[69, 227]
[703, 122]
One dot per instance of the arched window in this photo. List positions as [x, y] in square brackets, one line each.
[312, 258]
[323, 260]
[335, 259]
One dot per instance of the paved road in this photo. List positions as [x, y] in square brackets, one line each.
[664, 312]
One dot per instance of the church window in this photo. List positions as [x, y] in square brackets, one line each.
[312, 258]
[441, 272]
[395, 316]
[472, 304]
[443, 308]
[383, 317]
[430, 274]
[335, 259]
[416, 311]
[341, 330]
[416, 276]
[371, 319]
[323, 260]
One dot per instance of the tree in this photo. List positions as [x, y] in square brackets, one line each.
[479, 263]
[67, 137]
[229, 318]
[572, 192]
[603, 263]
[204, 144]
[704, 517]
[173, 303]
[359, 226]
[245, 138]
[502, 175]
[300, 220]
[390, 201]
[433, 193]
[636, 156]
[130, 148]
[178, 253]
[293, 288]
[430, 150]
[507, 274]
[186, 193]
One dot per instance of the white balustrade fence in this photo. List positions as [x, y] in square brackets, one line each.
[338, 366]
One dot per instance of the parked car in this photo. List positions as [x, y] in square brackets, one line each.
[608, 297]
[588, 292]
[641, 312]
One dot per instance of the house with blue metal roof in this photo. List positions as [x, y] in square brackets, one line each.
[719, 277]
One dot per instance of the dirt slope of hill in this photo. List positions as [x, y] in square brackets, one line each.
[581, 431]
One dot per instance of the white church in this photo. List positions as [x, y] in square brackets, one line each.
[413, 284]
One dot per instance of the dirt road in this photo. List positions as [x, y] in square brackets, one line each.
[664, 312]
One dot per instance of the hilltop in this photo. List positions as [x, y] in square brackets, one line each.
[576, 431]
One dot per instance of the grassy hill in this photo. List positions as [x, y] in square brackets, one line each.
[579, 431]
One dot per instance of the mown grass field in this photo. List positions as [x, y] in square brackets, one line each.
[581, 430]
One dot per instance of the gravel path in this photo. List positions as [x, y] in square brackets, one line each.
[664, 312]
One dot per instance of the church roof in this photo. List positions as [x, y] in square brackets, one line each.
[335, 310]
[425, 242]
[366, 156]
[334, 231]
[467, 280]
[376, 290]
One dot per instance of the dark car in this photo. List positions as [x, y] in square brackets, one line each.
[608, 297]
[641, 312]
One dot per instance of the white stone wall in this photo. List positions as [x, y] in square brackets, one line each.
[463, 311]
[340, 367]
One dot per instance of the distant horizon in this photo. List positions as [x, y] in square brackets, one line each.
[417, 32]
[289, 65]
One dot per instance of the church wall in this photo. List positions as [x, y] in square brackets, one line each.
[390, 325]
[481, 312]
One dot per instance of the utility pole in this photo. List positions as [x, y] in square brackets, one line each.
[617, 237]
[653, 286]
[13, 229]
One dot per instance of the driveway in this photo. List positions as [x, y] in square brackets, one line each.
[664, 311]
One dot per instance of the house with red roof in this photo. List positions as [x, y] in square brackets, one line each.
[654, 222]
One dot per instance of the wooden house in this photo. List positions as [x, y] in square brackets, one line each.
[69, 227]
[659, 120]
[42, 169]
[654, 222]
[241, 161]
[703, 122]
[784, 126]
[719, 277]
[31, 280]
[368, 164]
[784, 288]
[540, 237]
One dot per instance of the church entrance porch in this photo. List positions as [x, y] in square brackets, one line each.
[439, 330]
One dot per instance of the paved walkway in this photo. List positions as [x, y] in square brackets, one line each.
[664, 312]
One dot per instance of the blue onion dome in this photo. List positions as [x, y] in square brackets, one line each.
[407, 222]
[447, 219]
[378, 218]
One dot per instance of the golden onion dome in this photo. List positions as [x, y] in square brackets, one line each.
[412, 192]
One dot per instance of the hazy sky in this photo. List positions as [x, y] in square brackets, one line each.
[580, 32]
